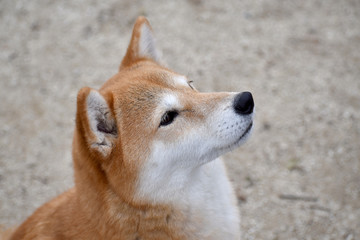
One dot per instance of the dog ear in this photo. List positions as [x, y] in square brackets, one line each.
[142, 44]
[96, 120]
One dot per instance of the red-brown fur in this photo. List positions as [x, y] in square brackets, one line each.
[95, 208]
[102, 204]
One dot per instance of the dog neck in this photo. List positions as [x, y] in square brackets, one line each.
[114, 214]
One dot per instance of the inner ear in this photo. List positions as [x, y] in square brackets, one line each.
[101, 122]
[142, 44]
[105, 125]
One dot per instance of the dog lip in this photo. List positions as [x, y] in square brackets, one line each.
[236, 143]
[243, 135]
[246, 131]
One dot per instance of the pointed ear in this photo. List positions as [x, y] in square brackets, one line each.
[142, 44]
[96, 121]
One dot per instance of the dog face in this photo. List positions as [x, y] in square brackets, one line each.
[150, 128]
[199, 127]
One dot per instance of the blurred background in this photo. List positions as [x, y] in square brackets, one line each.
[298, 177]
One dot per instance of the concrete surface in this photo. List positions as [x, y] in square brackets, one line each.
[299, 175]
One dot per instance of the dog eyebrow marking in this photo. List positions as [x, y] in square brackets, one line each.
[180, 80]
[170, 101]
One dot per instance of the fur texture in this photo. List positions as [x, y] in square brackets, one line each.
[137, 178]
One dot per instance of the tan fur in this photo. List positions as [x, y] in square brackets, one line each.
[5, 233]
[102, 203]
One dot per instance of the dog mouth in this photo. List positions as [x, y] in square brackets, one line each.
[229, 147]
[246, 132]
[239, 140]
[242, 137]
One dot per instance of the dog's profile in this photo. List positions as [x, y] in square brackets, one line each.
[145, 152]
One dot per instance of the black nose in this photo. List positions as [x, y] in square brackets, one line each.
[244, 103]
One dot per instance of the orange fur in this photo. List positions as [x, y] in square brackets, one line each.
[94, 208]
[6, 233]
[102, 203]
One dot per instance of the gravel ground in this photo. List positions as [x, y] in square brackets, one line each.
[299, 175]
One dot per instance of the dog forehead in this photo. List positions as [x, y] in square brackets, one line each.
[146, 96]
[147, 85]
[159, 75]
[166, 79]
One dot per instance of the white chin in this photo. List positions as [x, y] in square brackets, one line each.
[217, 152]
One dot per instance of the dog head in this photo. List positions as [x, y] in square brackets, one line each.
[147, 128]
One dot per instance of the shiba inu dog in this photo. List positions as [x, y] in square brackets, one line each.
[146, 154]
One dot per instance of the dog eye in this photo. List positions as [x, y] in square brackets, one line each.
[168, 118]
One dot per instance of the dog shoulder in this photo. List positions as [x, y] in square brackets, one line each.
[39, 225]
